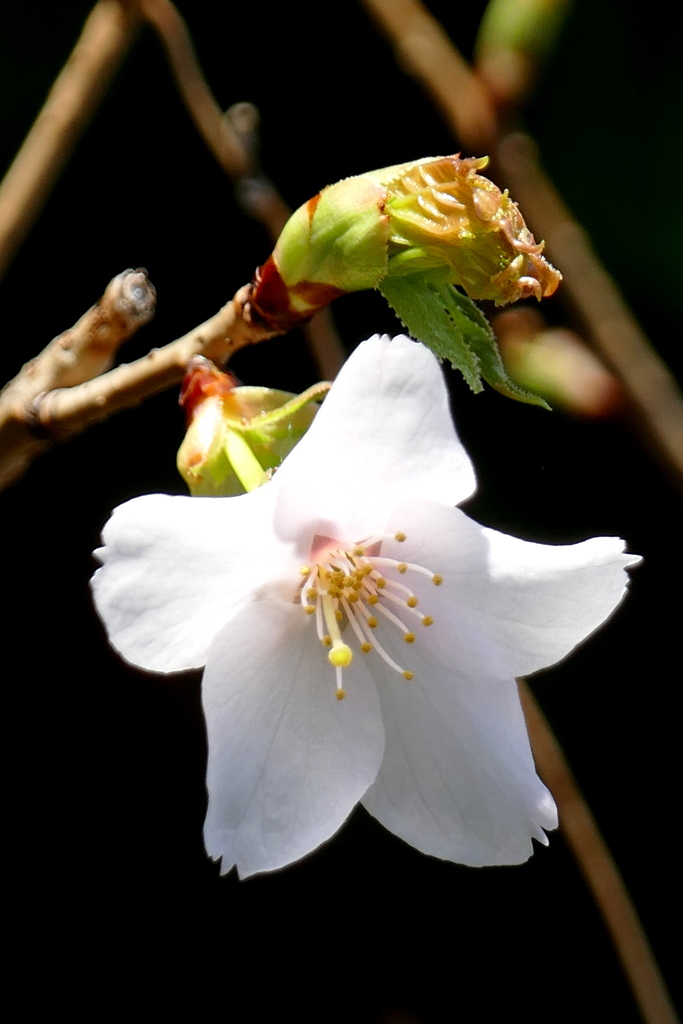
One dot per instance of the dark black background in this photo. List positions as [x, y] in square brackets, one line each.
[113, 901]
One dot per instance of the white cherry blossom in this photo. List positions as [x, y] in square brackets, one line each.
[352, 575]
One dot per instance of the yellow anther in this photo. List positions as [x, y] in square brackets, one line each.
[311, 594]
[407, 674]
[338, 615]
[366, 647]
[341, 694]
[427, 620]
[409, 638]
[372, 622]
[437, 580]
[402, 567]
[356, 584]
[373, 599]
[380, 582]
[358, 551]
[326, 641]
[341, 655]
[366, 570]
[310, 609]
[333, 591]
[411, 602]
[400, 537]
[352, 597]
[305, 570]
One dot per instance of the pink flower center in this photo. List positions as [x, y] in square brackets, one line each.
[352, 587]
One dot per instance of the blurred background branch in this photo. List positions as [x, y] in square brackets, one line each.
[108, 33]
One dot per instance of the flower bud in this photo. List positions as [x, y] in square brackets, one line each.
[555, 363]
[513, 38]
[445, 214]
[431, 213]
[237, 435]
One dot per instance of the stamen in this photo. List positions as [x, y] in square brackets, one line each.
[349, 585]
[403, 567]
[388, 596]
[377, 538]
[376, 645]
[393, 618]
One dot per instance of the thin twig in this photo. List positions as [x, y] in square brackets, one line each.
[38, 407]
[108, 32]
[424, 49]
[598, 867]
[233, 139]
[79, 354]
[69, 411]
[193, 87]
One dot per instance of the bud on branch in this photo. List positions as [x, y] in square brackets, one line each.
[399, 221]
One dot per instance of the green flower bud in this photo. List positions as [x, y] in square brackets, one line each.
[415, 217]
[514, 37]
[444, 214]
[237, 436]
[337, 242]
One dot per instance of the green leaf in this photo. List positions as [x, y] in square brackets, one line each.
[454, 328]
[416, 302]
[479, 336]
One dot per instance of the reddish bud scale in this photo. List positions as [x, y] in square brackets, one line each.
[203, 380]
[271, 299]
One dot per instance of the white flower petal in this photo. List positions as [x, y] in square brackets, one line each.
[512, 607]
[384, 433]
[458, 780]
[287, 760]
[176, 569]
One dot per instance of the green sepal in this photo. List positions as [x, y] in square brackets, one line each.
[339, 238]
[246, 466]
[454, 328]
[279, 420]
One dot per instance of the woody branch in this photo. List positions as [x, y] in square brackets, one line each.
[65, 390]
